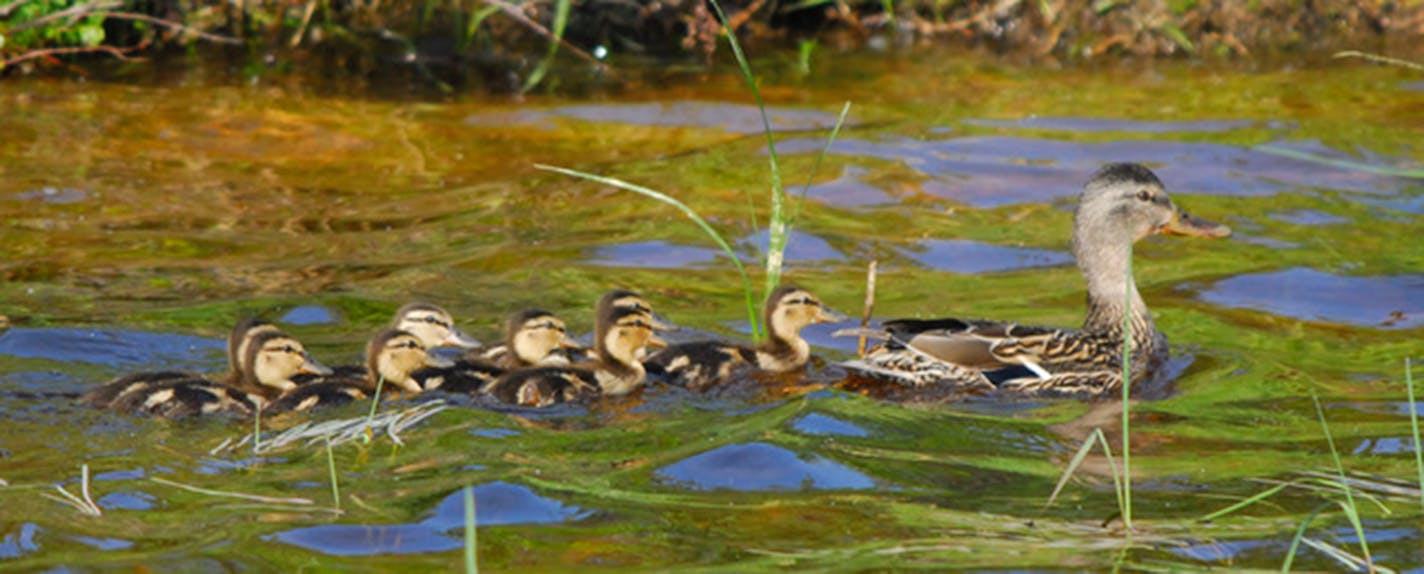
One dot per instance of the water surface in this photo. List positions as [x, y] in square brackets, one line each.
[141, 221]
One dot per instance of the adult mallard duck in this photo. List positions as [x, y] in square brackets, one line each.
[269, 361]
[702, 364]
[620, 337]
[392, 359]
[1121, 204]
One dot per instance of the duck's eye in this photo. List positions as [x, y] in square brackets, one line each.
[1144, 195]
[288, 349]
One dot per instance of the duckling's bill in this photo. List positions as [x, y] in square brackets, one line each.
[311, 366]
[458, 338]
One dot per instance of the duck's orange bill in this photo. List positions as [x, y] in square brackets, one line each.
[1183, 223]
[656, 341]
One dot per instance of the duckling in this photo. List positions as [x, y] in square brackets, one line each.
[242, 334]
[1121, 204]
[392, 356]
[621, 336]
[265, 370]
[434, 326]
[702, 364]
[616, 299]
[533, 335]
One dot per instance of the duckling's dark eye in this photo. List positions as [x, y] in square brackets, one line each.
[1144, 195]
[288, 349]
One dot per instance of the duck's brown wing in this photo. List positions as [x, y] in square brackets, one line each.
[980, 344]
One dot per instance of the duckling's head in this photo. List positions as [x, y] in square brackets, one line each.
[432, 325]
[625, 299]
[532, 334]
[1125, 202]
[273, 358]
[241, 337]
[393, 355]
[622, 334]
[789, 308]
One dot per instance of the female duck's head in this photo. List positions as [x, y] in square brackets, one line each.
[1121, 204]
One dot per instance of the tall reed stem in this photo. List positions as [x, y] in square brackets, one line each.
[1414, 424]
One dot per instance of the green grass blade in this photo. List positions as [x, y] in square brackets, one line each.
[331, 467]
[816, 165]
[561, 20]
[1247, 502]
[257, 429]
[476, 19]
[1112, 467]
[1340, 163]
[1414, 425]
[707, 227]
[1353, 514]
[1073, 465]
[1300, 534]
[472, 565]
[776, 226]
[1353, 509]
[375, 401]
[1127, 395]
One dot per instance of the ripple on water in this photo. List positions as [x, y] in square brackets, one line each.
[54, 195]
[963, 256]
[800, 248]
[819, 424]
[1309, 217]
[496, 503]
[113, 347]
[849, 190]
[734, 118]
[990, 171]
[1264, 241]
[19, 542]
[127, 500]
[757, 466]
[309, 315]
[1114, 125]
[1392, 302]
